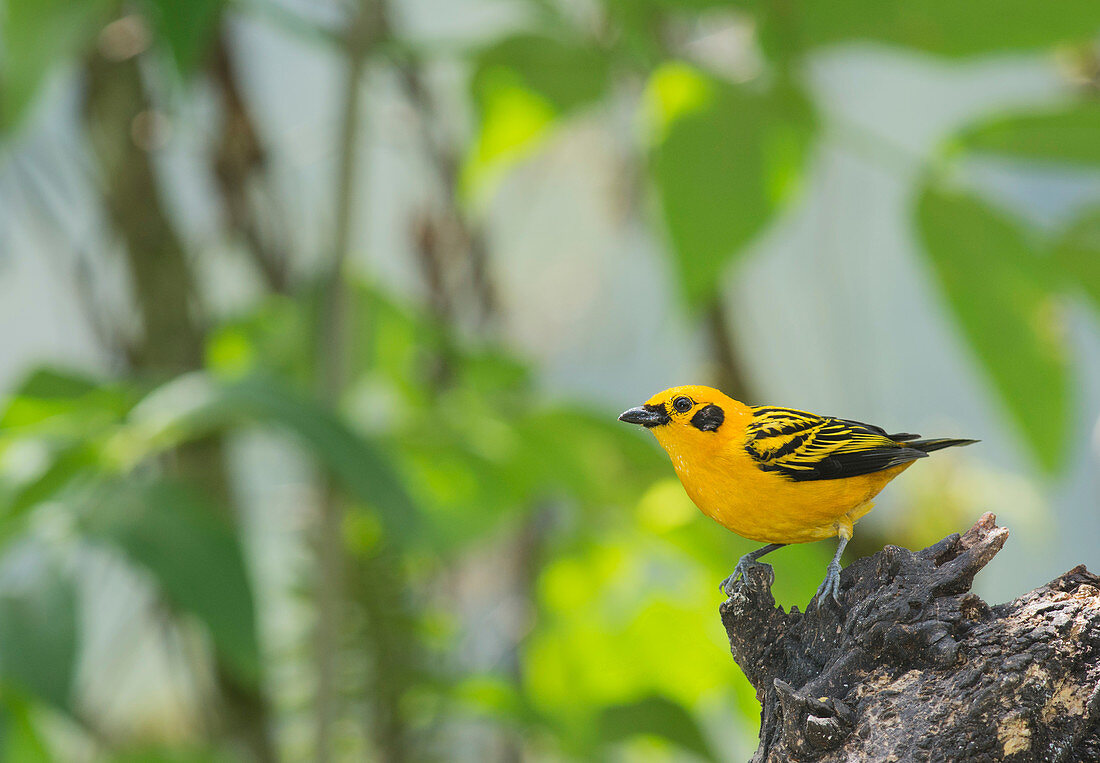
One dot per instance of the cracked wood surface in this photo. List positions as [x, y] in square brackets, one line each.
[913, 666]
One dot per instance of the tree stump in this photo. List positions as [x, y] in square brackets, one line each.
[913, 667]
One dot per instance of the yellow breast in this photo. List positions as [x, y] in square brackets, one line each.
[730, 488]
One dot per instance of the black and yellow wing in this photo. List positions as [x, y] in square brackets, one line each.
[805, 446]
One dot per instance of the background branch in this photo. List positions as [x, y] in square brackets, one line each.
[332, 347]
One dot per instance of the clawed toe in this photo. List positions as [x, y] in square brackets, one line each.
[726, 586]
[744, 564]
[830, 587]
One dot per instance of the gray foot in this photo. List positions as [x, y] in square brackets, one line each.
[830, 586]
[746, 563]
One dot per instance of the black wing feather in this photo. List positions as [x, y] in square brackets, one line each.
[805, 446]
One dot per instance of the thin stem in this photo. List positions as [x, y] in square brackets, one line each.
[333, 336]
[452, 220]
[730, 376]
[240, 157]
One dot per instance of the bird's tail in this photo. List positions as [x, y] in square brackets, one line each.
[944, 442]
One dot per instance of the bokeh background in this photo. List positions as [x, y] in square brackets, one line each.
[316, 317]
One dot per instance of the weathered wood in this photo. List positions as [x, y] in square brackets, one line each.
[912, 666]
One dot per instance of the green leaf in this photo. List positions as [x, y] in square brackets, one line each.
[19, 739]
[50, 432]
[66, 466]
[570, 452]
[38, 626]
[728, 158]
[166, 754]
[699, 5]
[565, 74]
[62, 402]
[946, 27]
[194, 556]
[1002, 290]
[39, 35]
[194, 405]
[1062, 135]
[188, 28]
[639, 38]
[657, 716]
[520, 86]
[1078, 254]
[54, 384]
[272, 337]
[649, 6]
[358, 463]
[612, 609]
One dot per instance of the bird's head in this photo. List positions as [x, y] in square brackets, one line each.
[688, 414]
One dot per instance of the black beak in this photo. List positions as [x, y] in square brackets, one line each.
[647, 415]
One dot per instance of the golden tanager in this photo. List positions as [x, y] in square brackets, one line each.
[777, 475]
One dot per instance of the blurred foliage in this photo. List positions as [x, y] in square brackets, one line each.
[38, 614]
[944, 27]
[1004, 278]
[38, 37]
[520, 85]
[1067, 134]
[1077, 253]
[444, 447]
[186, 29]
[194, 557]
[1001, 287]
[717, 193]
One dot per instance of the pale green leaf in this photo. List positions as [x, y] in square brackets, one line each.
[194, 406]
[65, 467]
[19, 739]
[566, 74]
[187, 28]
[1070, 134]
[521, 86]
[359, 463]
[38, 626]
[999, 285]
[192, 553]
[38, 36]
[727, 159]
[1078, 254]
[62, 403]
[656, 716]
[946, 27]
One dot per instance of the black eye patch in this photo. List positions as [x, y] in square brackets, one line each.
[708, 418]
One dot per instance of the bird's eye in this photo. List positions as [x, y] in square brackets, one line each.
[682, 404]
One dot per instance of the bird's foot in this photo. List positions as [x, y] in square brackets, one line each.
[746, 563]
[830, 586]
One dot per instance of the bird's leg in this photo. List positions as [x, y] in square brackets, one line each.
[830, 586]
[744, 563]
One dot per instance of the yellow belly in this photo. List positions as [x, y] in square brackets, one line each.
[769, 508]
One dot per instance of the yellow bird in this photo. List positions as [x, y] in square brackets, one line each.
[777, 475]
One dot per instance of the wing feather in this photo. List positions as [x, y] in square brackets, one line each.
[805, 446]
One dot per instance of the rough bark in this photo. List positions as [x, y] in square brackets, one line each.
[913, 666]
